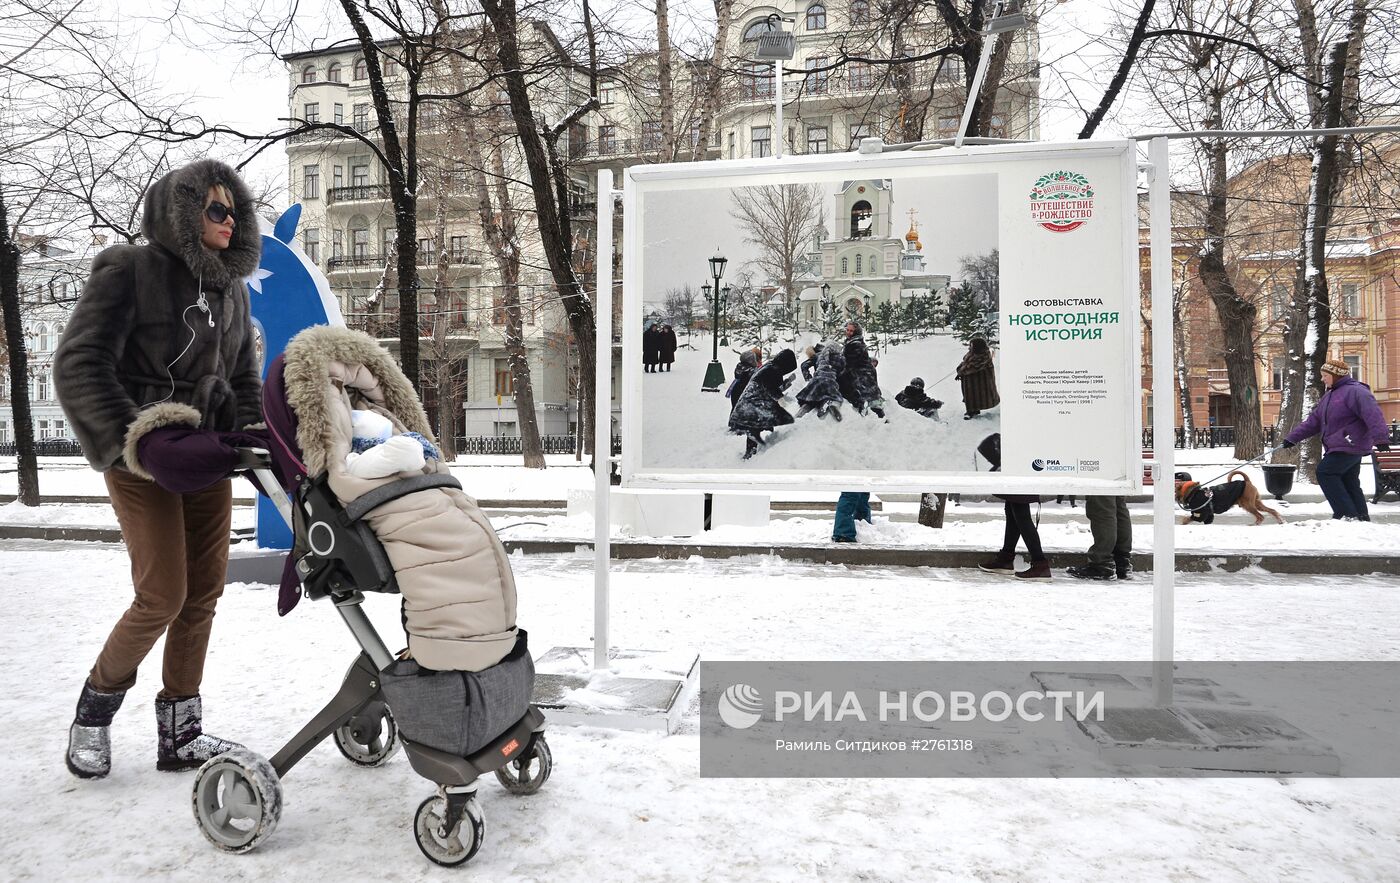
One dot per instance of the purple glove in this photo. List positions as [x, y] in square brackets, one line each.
[184, 460]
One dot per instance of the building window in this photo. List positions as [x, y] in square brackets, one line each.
[337, 177]
[948, 127]
[860, 267]
[308, 74]
[1279, 297]
[757, 29]
[1349, 303]
[755, 82]
[41, 387]
[359, 172]
[817, 79]
[360, 71]
[503, 386]
[816, 139]
[860, 74]
[311, 243]
[4, 432]
[337, 244]
[310, 182]
[390, 67]
[651, 135]
[427, 251]
[862, 217]
[816, 17]
[845, 266]
[389, 242]
[311, 112]
[361, 112]
[761, 137]
[694, 134]
[859, 131]
[860, 12]
[605, 93]
[998, 127]
[607, 139]
[339, 115]
[1354, 363]
[1277, 379]
[458, 245]
[45, 339]
[333, 72]
[359, 243]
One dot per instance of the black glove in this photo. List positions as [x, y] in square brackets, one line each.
[1384, 449]
[1287, 443]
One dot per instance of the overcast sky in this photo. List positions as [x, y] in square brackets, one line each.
[246, 86]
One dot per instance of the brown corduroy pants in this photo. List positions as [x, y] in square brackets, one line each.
[178, 545]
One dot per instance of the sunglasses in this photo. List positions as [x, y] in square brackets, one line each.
[218, 212]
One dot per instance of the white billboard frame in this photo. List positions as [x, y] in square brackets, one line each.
[639, 180]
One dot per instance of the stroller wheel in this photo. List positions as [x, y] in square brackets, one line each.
[370, 737]
[448, 846]
[527, 774]
[237, 800]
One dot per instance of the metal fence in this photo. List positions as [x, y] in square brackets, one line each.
[509, 444]
[1224, 436]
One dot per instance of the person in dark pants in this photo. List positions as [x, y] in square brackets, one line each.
[1109, 556]
[850, 506]
[666, 347]
[1020, 526]
[651, 348]
[1350, 423]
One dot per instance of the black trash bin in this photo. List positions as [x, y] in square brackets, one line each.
[1278, 478]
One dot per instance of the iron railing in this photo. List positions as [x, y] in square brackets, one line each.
[509, 444]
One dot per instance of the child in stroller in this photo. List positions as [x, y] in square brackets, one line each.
[459, 694]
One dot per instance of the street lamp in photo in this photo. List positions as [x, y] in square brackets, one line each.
[825, 305]
[714, 374]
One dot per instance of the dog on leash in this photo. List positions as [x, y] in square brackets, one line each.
[1204, 503]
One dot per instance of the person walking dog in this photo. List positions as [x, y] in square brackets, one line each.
[1350, 423]
[160, 339]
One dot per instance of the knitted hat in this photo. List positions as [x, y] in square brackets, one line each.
[1337, 367]
[917, 381]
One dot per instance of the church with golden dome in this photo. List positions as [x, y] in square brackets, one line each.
[865, 262]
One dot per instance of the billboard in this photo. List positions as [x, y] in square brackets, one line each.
[943, 320]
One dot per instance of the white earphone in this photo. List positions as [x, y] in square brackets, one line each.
[202, 303]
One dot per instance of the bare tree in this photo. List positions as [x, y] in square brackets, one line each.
[781, 220]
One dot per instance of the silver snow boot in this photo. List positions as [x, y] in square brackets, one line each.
[183, 743]
[89, 740]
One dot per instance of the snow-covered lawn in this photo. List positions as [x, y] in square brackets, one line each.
[686, 428]
[624, 806]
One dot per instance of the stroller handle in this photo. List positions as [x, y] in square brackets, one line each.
[257, 463]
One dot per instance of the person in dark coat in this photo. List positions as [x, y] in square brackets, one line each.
[809, 364]
[666, 347]
[1019, 525]
[651, 348]
[748, 363]
[760, 407]
[162, 337]
[977, 371]
[859, 384]
[822, 393]
[914, 398]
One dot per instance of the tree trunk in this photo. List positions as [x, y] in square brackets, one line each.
[546, 173]
[714, 81]
[1237, 314]
[932, 508]
[20, 415]
[1307, 326]
[663, 71]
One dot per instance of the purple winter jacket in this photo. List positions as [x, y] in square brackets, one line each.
[1347, 417]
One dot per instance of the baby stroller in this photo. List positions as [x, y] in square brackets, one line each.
[460, 705]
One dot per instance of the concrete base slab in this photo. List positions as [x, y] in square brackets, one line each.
[248, 563]
[643, 690]
[1207, 728]
[730, 509]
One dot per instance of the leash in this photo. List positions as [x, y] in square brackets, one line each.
[1245, 463]
[1208, 495]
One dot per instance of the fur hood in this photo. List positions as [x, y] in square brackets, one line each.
[173, 219]
[307, 374]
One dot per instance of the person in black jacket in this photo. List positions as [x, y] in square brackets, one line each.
[651, 347]
[1019, 525]
[914, 398]
[859, 383]
[666, 347]
[748, 363]
[760, 407]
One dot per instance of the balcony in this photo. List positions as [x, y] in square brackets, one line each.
[357, 193]
[456, 258]
[384, 325]
[364, 127]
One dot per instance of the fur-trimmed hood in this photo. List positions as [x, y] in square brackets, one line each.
[307, 380]
[173, 219]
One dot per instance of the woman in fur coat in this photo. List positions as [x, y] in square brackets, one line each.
[977, 371]
[859, 382]
[160, 340]
[760, 407]
[823, 392]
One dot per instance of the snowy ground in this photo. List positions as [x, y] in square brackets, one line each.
[688, 429]
[624, 806]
